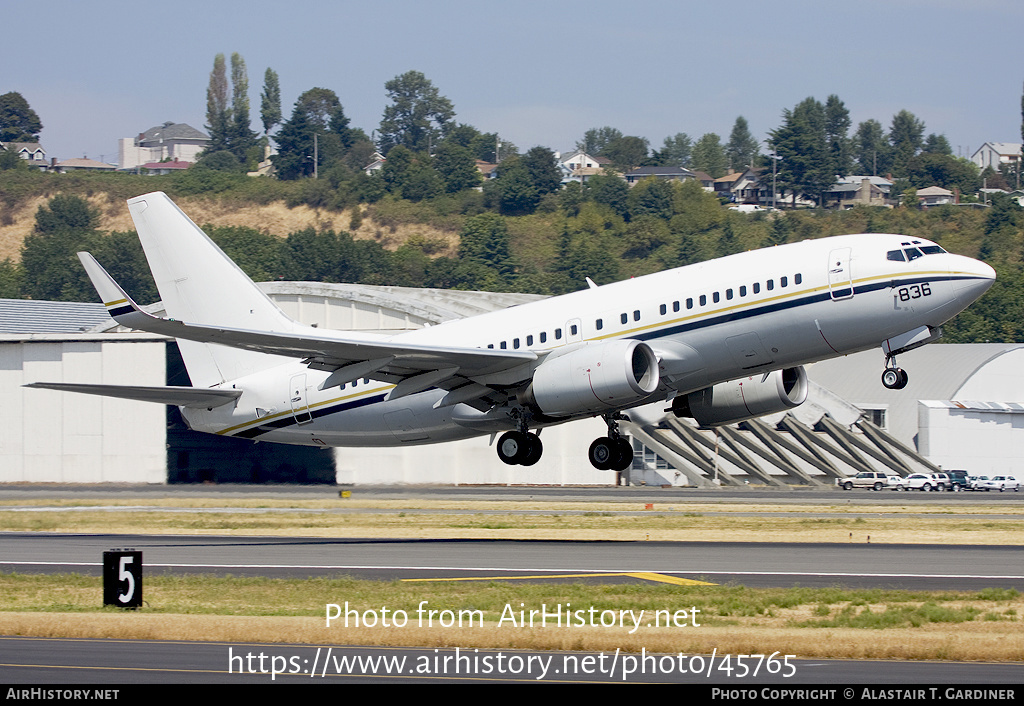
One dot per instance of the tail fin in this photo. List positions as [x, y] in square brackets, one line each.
[200, 284]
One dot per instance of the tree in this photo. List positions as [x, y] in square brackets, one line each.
[294, 158]
[242, 138]
[418, 116]
[542, 166]
[709, 156]
[596, 140]
[627, 152]
[837, 127]
[217, 118]
[871, 149]
[801, 142]
[741, 150]
[485, 239]
[18, 122]
[270, 101]
[675, 152]
[937, 144]
[906, 135]
[64, 226]
[456, 166]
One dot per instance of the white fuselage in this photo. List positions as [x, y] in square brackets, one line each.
[710, 322]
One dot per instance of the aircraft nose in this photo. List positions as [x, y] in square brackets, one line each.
[972, 277]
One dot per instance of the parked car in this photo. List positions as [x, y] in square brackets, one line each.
[975, 482]
[1000, 483]
[923, 481]
[958, 480]
[865, 479]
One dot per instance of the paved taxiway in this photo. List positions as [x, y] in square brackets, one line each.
[754, 564]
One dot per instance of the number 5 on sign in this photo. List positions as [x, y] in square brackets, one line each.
[122, 578]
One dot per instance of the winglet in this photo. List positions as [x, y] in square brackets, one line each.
[119, 305]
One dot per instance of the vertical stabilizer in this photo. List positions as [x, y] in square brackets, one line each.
[200, 284]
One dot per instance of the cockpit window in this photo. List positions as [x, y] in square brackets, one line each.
[931, 249]
[913, 253]
[895, 256]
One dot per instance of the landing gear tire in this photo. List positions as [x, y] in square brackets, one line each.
[603, 453]
[533, 454]
[895, 378]
[625, 459]
[520, 448]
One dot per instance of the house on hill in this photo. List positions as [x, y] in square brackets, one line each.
[176, 142]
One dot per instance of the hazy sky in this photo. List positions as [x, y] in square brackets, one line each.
[539, 73]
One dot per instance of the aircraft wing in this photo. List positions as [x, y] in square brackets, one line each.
[177, 396]
[412, 367]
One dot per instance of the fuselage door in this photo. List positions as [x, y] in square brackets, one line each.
[297, 399]
[840, 276]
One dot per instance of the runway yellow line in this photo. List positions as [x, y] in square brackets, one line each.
[644, 575]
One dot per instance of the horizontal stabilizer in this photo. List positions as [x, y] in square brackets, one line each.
[176, 396]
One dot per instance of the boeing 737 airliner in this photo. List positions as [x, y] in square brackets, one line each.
[721, 341]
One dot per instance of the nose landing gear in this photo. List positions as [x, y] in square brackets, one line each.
[894, 378]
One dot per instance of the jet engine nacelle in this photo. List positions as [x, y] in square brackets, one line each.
[595, 378]
[746, 398]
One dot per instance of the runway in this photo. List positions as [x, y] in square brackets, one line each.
[909, 566]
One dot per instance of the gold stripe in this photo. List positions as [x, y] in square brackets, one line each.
[119, 301]
[262, 420]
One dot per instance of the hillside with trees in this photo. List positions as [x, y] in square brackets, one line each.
[429, 219]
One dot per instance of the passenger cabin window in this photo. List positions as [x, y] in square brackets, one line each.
[623, 318]
[599, 324]
[770, 285]
[675, 306]
[636, 315]
[503, 346]
[703, 299]
[529, 340]
[515, 343]
[797, 279]
[715, 297]
[573, 330]
[728, 294]
[757, 287]
[743, 291]
[689, 303]
[490, 345]
[663, 309]
[544, 336]
[783, 281]
[558, 334]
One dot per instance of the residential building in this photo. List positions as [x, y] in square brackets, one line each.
[580, 166]
[853, 191]
[935, 196]
[83, 164]
[997, 154]
[167, 142]
[662, 173]
[32, 152]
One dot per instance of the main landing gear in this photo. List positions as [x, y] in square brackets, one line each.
[612, 452]
[520, 448]
[894, 378]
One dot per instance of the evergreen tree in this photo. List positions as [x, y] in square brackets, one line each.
[18, 122]
[741, 151]
[906, 135]
[242, 137]
[218, 122]
[418, 116]
[270, 101]
[596, 140]
[675, 152]
[801, 142]
[837, 127]
[709, 156]
[871, 151]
